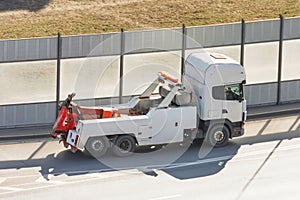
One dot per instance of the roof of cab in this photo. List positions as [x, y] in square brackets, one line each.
[203, 60]
[229, 70]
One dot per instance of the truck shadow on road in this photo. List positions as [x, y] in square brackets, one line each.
[175, 160]
[179, 162]
[31, 5]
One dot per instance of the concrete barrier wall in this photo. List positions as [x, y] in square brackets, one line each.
[153, 40]
[27, 114]
[261, 94]
[214, 35]
[262, 31]
[28, 49]
[290, 91]
[91, 45]
[145, 53]
[291, 28]
[146, 41]
[37, 114]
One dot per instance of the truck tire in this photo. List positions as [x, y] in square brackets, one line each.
[124, 145]
[217, 135]
[97, 146]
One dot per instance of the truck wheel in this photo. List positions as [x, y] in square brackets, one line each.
[218, 135]
[97, 146]
[124, 145]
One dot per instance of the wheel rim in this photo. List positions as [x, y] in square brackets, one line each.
[125, 146]
[219, 136]
[98, 145]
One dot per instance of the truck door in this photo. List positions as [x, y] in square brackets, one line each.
[233, 102]
[231, 107]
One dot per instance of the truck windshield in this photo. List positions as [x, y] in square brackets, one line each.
[233, 92]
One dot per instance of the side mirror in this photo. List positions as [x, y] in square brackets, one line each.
[241, 97]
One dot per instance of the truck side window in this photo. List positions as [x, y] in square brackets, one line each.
[218, 92]
[227, 92]
[232, 92]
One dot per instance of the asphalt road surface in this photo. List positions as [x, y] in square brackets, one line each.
[263, 164]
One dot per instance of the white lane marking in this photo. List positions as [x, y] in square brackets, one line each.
[176, 165]
[222, 158]
[167, 197]
[25, 176]
[12, 189]
[2, 180]
[43, 180]
[48, 186]
[28, 189]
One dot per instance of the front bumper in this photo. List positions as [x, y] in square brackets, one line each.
[238, 130]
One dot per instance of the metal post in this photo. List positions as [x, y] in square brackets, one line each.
[122, 40]
[183, 49]
[280, 60]
[242, 54]
[59, 52]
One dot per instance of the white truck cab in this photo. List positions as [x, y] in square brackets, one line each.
[217, 84]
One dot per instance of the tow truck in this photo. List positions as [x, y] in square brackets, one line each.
[209, 103]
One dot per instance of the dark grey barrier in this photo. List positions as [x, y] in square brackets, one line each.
[266, 93]
[91, 45]
[27, 114]
[37, 114]
[290, 91]
[147, 41]
[214, 35]
[262, 31]
[41, 114]
[291, 28]
[153, 41]
[28, 49]
[261, 94]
